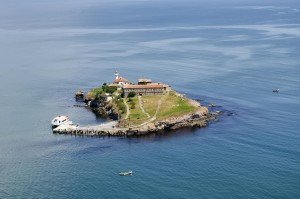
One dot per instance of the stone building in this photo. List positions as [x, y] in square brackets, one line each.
[145, 89]
[144, 81]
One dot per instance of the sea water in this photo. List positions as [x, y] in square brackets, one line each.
[230, 53]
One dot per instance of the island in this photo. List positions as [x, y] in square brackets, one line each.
[138, 109]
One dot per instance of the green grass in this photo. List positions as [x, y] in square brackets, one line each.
[171, 106]
[94, 93]
[98, 91]
[175, 106]
[121, 106]
[151, 103]
[109, 89]
[136, 116]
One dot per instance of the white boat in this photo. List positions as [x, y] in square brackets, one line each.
[61, 120]
[128, 173]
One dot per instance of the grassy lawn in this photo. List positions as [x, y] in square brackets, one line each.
[136, 115]
[150, 103]
[175, 106]
[172, 106]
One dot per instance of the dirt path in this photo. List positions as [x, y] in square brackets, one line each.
[159, 104]
[142, 107]
[127, 109]
[157, 110]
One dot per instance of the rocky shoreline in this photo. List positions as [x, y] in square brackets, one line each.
[199, 119]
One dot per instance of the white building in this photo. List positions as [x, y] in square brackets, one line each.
[121, 81]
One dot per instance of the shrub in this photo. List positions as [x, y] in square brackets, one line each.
[96, 92]
[109, 89]
[131, 103]
[121, 106]
[131, 94]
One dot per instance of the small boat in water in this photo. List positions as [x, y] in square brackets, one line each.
[276, 90]
[212, 105]
[61, 120]
[128, 173]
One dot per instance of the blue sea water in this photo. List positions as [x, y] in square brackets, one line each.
[231, 53]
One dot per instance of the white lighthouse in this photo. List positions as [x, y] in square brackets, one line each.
[117, 75]
[121, 81]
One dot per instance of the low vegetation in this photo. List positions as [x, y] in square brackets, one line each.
[175, 106]
[172, 105]
[96, 93]
[120, 105]
[136, 116]
[109, 89]
[150, 103]
[132, 103]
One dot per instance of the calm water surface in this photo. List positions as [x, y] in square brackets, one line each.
[232, 54]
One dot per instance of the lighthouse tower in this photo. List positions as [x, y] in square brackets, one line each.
[121, 81]
[117, 75]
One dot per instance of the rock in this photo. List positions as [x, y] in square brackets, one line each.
[94, 104]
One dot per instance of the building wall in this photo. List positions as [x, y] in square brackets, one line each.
[143, 91]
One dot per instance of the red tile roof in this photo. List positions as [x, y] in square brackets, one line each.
[121, 79]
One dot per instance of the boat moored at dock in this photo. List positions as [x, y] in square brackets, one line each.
[60, 120]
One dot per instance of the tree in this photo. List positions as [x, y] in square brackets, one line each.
[131, 94]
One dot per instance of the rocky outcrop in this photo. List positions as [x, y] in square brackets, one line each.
[198, 119]
[103, 108]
